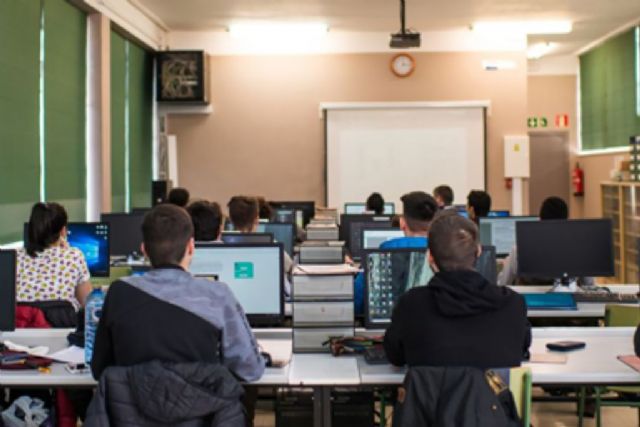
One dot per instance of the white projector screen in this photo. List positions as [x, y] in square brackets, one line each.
[396, 150]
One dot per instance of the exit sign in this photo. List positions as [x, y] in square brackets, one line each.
[537, 122]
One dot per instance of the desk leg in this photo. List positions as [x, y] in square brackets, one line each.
[322, 407]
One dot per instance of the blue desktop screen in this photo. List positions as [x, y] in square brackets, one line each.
[93, 241]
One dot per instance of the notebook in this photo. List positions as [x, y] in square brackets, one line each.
[550, 301]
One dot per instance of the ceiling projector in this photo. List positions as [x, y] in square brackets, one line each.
[404, 38]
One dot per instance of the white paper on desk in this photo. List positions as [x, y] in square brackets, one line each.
[279, 350]
[39, 351]
[317, 269]
[548, 358]
[71, 354]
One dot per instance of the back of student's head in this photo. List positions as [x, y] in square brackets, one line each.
[166, 232]
[207, 220]
[554, 208]
[480, 201]
[243, 212]
[178, 196]
[453, 243]
[45, 225]
[418, 209]
[375, 203]
[264, 209]
[444, 193]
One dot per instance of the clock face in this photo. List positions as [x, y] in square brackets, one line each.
[402, 64]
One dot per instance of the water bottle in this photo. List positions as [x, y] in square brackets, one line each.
[92, 313]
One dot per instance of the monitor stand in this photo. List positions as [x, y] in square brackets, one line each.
[565, 284]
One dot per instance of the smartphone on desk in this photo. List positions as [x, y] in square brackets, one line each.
[77, 368]
[566, 345]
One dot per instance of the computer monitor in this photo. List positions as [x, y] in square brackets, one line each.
[501, 232]
[93, 240]
[372, 238]
[389, 274]
[361, 208]
[498, 214]
[7, 291]
[254, 272]
[351, 227]
[235, 237]
[126, 232]
[308, 209]
[563, 249]
[486, 264]
[283, 233]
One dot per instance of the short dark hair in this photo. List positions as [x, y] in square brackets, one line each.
[178, 196]
[375, 203]
[554, 208]
[480, 201]
[243, 211]
[265, 211]
[45, 224]
[453, 242]
[445, 193]
[166, 231]
[418, 209]
[207, 219]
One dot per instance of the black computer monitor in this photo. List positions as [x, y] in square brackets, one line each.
[501, 232]
[563, 249]
[126, 232]
[351, 227]
[284, 233]
[308, 209]
[235, 237]
[93, 240]
[498, 214]
[361, 208]
[7, 291]
[372, 238]
[389, 274]
[254, 272]
[486, 264]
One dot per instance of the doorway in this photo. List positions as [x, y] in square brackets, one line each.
[549, 163]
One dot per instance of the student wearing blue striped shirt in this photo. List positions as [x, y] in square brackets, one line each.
[418, 210]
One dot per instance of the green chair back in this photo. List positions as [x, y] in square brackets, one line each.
[621, 315]
[520, 386]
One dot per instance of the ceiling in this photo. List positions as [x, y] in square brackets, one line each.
[592, 18]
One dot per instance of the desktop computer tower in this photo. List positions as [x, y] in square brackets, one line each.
[159, 191]
[294, 408]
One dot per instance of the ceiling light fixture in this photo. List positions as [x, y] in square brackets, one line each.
[526, 27]
[538, 50]
[279, 30]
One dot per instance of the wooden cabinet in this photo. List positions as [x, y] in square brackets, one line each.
[621, 203]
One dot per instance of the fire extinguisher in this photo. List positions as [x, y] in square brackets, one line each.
[577, 176]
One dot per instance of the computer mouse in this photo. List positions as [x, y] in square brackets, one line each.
[267, 359]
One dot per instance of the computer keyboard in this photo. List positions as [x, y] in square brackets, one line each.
[606, 297]
[375, 355]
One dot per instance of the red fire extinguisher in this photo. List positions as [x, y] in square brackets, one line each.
[577, 176]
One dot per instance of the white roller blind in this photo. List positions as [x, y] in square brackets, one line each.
[394, 150]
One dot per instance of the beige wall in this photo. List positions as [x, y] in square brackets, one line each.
[265, 135]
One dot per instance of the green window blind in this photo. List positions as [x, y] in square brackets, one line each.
[19, 86]
[608, 82]
[140, 125]
[65, 29]
[118, 98]
[131, 124]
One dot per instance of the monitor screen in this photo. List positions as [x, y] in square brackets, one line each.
[308, 209]
[498, 214]
[565, 248]
[285, 216]
[253, 272]
[235, 237]
[361, 208]
[7, 290]
[351, 227]
[126, 232]
[283, 233]
[389, 274]
[372, 238]
[501, 232]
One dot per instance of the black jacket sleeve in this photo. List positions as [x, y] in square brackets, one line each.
[636, 341]
[102, 346]
[393, 346]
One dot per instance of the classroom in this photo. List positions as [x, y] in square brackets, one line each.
[320, 212]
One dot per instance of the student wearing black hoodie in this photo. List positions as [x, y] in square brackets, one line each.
[459, 319]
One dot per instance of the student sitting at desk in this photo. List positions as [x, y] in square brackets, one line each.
[265, 212]
[478, 205]
[418, 209]
[459, 319]
[207, 220]
[443, 194]
[48, 268]
[551, 208]
[169, 315]
[178, 196]
[375, 204]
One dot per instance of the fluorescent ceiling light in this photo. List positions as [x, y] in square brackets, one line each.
[526, 27]
[278, 30]
[539, 50]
